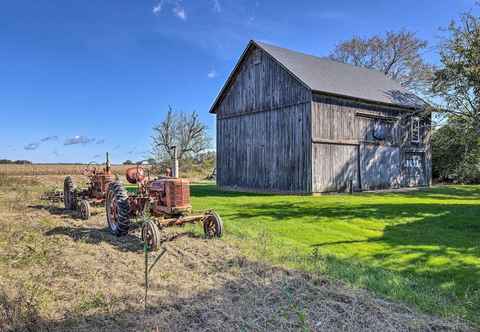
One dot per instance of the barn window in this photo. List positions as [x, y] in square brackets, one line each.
[415, 130]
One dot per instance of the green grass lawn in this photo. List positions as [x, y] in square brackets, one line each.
[419, 247]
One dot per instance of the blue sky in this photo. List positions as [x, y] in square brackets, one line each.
[79, 78]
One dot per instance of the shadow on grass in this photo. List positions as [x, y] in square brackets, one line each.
[59, 211]
[210, 190]
[129, 242]
[464, 193]
[451, 225]
[96, 236]
[248, 296]
[438, 192]
[426, 242]
[423, 228]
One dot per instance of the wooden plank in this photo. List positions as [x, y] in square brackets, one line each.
[335, 167]
[337, 142]
[377, 116]
[265, 151]
[344, 123]
[263, 130]
[259, 87]
[273, 136]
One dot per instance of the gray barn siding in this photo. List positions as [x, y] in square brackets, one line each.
[380, 167]
[275, 135]
[344, 149]
[260, 87]
[263, 130]
[334, 166]
[265, 151]
[422, 150]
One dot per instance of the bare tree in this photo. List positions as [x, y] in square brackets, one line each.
[397, 55]
[183, 130]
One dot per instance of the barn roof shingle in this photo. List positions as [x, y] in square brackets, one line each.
[331, 77]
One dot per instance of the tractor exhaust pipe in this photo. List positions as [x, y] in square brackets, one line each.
[107, 164]
[175, 163]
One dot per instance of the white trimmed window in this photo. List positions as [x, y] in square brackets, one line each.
[415, 130]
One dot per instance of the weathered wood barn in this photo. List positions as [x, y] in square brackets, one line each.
[294, 123]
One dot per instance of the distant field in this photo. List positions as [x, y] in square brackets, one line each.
[193, 172]
[52, 169]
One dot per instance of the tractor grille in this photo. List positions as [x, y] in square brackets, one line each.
[172, 193]
[177, 193]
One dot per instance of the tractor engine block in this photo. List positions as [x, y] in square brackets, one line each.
[99, 184]
[170, 195]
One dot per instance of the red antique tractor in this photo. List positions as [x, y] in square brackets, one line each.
[164, 201]
[82, 198]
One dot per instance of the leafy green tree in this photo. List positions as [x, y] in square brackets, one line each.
[457, 81]
[456, 152]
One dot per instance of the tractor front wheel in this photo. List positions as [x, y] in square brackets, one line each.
[213, 225]
[84, 209]
[151, 235]
[69, 193]
[118, 209]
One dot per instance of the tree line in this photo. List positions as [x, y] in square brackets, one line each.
[15, 162]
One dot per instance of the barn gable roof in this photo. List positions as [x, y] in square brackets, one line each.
[331, 77]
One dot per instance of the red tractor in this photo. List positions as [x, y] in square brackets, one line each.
[81, 199]
[166, 200]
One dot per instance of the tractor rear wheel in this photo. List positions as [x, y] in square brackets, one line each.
[84, 209]
[69, 193]
[151, 235]
[213, 225]
[118, 209]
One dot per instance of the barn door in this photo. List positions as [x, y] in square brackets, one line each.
[414, 169]
[379, 166]
[335, 168]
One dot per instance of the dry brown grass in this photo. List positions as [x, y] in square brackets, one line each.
[58, 273]
[35, 170]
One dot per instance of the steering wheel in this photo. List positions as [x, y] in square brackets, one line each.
[90, 169]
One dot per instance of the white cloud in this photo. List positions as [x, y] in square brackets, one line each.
[32, 146]
[216, 6]
[176, 5]
[180, 12]
[49, 138]
[223, 38]
[78, 140]
[212, 74]
[157, 9]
